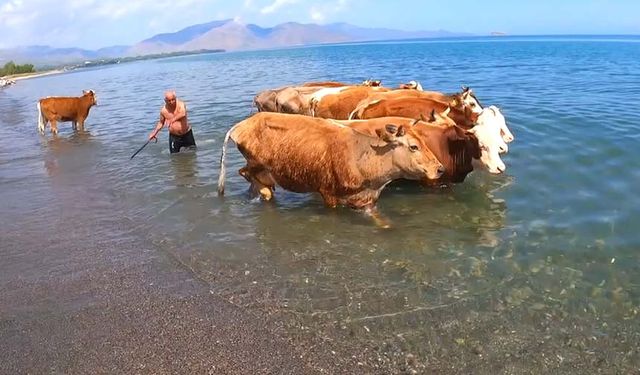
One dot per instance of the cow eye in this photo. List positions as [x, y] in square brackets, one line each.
[414, 148]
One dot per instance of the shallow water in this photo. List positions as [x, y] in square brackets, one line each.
[557, 235]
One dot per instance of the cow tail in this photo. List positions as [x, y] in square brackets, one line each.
[353, 113]
[313, 103]
[223, 170]
[361, 106]
[41, 120]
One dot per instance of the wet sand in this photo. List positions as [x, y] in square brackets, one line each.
[119, 307]
[114, 304]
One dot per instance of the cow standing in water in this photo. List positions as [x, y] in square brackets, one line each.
[60, 108]
[304, 154]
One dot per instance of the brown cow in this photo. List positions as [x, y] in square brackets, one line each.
[305, 154]
[325, 84]
[337, 103]
[453, 146]
[59, 108]
[367, 82]
[290, 99]
[297, 99]
[466, 98]
[414, 108]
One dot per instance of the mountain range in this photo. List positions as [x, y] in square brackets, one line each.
[223, 34]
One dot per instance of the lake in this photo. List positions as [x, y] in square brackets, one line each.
[536, 269]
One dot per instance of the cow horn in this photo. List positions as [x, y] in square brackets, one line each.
[433, 116]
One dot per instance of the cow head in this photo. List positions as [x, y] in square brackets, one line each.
[410, 153]
[492, 124]
[490, 146]
[493, 116]
[469, 100]
[91, 94]
[411, 85]
[372, 83]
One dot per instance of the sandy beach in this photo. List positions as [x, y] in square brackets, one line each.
[19, 77]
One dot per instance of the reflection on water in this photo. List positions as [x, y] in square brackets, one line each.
[183, 166]
[553, 243]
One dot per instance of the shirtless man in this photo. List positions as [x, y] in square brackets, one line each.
[174, 116]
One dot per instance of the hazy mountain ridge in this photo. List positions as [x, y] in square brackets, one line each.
[222, 34]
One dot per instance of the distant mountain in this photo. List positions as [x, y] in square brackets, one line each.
[224, 34]
[231, 35]
[49, 56]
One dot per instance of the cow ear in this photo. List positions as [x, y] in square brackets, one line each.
[391, 129]
[388, 134]
[401, 131]
[454, 102]
[432, 117]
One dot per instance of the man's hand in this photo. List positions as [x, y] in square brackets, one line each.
[153, 135]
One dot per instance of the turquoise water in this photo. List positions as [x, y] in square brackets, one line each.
[553, 241]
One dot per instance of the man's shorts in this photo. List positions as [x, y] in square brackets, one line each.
[176, 142]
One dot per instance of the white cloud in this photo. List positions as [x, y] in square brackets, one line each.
[99, 23]
[94, 23]
[277, 4]
[320, 13]
[316, 14]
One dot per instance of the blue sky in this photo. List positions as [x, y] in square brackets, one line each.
[100, 23]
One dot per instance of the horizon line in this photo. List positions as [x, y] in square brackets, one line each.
[498, 34]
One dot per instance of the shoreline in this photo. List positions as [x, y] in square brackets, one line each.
[18, 77]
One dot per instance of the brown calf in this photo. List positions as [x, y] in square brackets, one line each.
[59, 108]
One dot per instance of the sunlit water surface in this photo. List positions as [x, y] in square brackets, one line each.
[558, 234]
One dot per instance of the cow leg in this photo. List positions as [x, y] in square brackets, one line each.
[261, 181]
[54, 126]
[74, 125]
[366, 202]
[80, 124]
[377, 218]
[330, 200]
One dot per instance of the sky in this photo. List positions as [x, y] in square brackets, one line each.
[94, 24]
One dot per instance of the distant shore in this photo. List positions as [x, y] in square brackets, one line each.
[17, 77]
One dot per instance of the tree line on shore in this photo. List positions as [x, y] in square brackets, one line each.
[11, 68]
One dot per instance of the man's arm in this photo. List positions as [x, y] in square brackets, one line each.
[159, 127]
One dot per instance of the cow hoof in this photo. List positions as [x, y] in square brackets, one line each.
[266, 193]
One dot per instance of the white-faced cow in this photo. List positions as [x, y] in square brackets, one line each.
[454, 146]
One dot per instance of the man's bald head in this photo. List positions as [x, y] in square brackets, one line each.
[170, 96]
